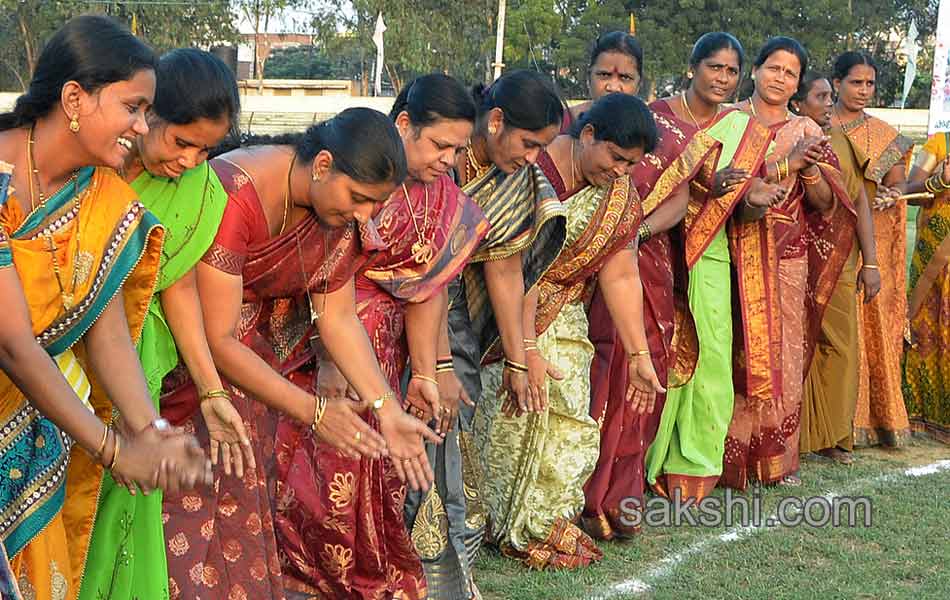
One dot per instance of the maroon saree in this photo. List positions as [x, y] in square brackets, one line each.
[626, 434]
[221, 542]
[340, 521]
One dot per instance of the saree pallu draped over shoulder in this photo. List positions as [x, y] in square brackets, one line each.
[535, 465]
[340, 520]
[624, 433]
[808, 251]
[867, 149]
[104, 243]
[685, 459]
[129, 541]
[927, 362]
[222, 541]
[525, 217]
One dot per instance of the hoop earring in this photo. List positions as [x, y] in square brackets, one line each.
[74, 124]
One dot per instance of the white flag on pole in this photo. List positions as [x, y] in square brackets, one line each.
[911, 49]
[378, 40]
[940, 92]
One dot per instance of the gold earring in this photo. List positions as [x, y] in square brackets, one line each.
[492, 129]
[689, 75]
[74, 124]
[315, 177]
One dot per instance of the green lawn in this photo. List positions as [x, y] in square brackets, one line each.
[902, 555]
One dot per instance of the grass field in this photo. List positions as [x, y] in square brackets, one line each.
[902, 555]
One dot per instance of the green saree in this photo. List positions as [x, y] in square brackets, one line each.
[128, 561]
[687, 454]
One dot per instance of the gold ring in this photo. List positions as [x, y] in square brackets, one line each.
[358, 436]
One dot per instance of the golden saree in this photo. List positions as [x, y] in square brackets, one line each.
[104, 242]
[927, 361]
[867, 149]
[535, 465]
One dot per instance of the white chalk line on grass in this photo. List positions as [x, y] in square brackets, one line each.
[665, 566]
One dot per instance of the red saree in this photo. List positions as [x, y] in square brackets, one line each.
[221, 543]
[811, 248]
[625, 434]
[340, 523]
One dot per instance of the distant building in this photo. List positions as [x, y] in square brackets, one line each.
[297, 87]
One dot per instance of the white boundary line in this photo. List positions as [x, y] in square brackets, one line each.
[664, 567]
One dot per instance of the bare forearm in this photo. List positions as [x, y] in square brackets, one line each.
[530, 313]
[506, 291]
[668, 214]
[245, 369]
[818, 195]
[182, 309]
[423, 328]
[619, 282]
[113, 359]
[865, 229]
[347, 345]
[34, 373]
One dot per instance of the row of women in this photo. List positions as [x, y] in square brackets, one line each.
[400, 337]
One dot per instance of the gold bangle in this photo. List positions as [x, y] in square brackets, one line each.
[810, 179]
[639, 353]
[115, 452]
[444, 369]
[319, 407]
[220, 393]
[515, 366]
[102, 444]
[425, 378]
[872, 267]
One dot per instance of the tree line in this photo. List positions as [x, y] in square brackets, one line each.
[552, 36]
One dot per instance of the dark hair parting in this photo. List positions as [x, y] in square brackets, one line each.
[622, 119]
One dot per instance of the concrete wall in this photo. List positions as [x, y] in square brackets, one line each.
[272, 114]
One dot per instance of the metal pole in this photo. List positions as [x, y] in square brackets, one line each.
[500, 39]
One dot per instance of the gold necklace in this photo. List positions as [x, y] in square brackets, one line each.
[690, 112]
[314, 315]
[421, 249]
[473, 168]
[290, 170]
[67, 297]
[788, 113]
[867, 130]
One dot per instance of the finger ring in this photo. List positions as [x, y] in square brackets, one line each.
[358, 436]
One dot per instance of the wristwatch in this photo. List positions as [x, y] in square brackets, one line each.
[378, 403]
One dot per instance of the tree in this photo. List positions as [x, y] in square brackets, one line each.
[259, 14]
[26, 24]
